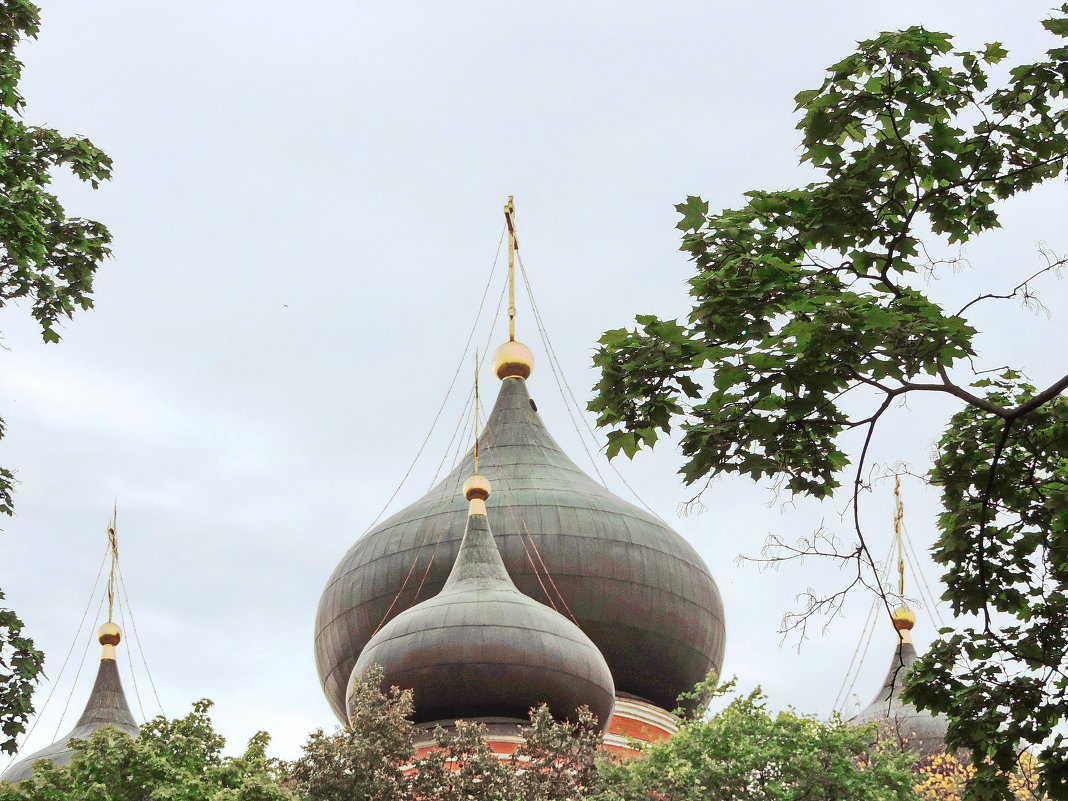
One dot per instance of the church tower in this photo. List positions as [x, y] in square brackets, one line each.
[921, 732]
[636, 589]
[107, 705]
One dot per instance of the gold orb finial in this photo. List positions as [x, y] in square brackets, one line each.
[904, 618]
[109, 634]
[512, 360]
[477, 488]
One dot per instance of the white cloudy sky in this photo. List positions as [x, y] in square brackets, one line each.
[306, 205]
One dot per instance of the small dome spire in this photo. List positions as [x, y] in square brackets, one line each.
[106, 706]
[513, 360]
[109, 636]
[921, 732]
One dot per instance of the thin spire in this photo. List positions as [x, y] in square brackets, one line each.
[903, 618]
[509, 210]
[476, 412]
[477, 487]
[512, 359]
[899, 514]
[109, 634]
[113, 544]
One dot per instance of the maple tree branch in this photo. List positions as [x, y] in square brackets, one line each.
[1045, 395]
[1015, 290]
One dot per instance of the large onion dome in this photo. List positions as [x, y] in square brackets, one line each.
[636, 588]
[921, 732]
[106, 707]
[482, 649]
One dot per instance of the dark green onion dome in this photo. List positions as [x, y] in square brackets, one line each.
[106, 707]
[636, 588]
[482, 649]
[919, 731]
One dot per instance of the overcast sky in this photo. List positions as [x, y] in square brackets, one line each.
[306, 207]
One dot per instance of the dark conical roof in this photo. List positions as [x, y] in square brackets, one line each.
[482, 649]
[106, 707]
[921, 732]
[637, 589]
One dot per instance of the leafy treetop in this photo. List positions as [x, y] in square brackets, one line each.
[170, 760]
[809, 305]
[48, 260]
[374, 757]
[745, 751]
[45, 256]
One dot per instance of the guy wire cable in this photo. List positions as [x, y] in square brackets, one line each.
[59, 676]
[449, 492]
[137, 638]
[81, 664]
[463, 414]
[452, 440]
[935, 610]
[442, 501]
[550, 353]
[129, 659]
[448, 392]
[561, 379]
[867, 629]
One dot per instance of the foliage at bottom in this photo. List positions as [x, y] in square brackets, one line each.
[746, 752]
[171, 760]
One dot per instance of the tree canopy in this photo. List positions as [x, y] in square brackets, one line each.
[20, 663]
[176, 760]
[745, 751]
[809, 304]
[741, 752]
[47, 259]
[945, 777]
[374, 757]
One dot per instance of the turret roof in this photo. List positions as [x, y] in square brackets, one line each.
[482, 649]
[918, 730]
[106, 706]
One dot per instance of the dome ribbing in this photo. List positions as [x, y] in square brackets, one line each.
[637, 589]
[482, 649]
[920, 731]
[107, 706]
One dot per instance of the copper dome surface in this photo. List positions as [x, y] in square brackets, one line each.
[106, 706]
[482, 649]
[636, 588]
[919, 731]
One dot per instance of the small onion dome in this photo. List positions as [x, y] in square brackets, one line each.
[107, 706]
[482, 649]
[638, 589]
[513, 360]
[920, 731]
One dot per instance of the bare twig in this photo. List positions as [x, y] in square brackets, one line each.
[1023, 288]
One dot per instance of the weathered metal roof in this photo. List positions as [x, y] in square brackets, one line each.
[482, 649]
[637, 589]
[106, 707]
[920, 731]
